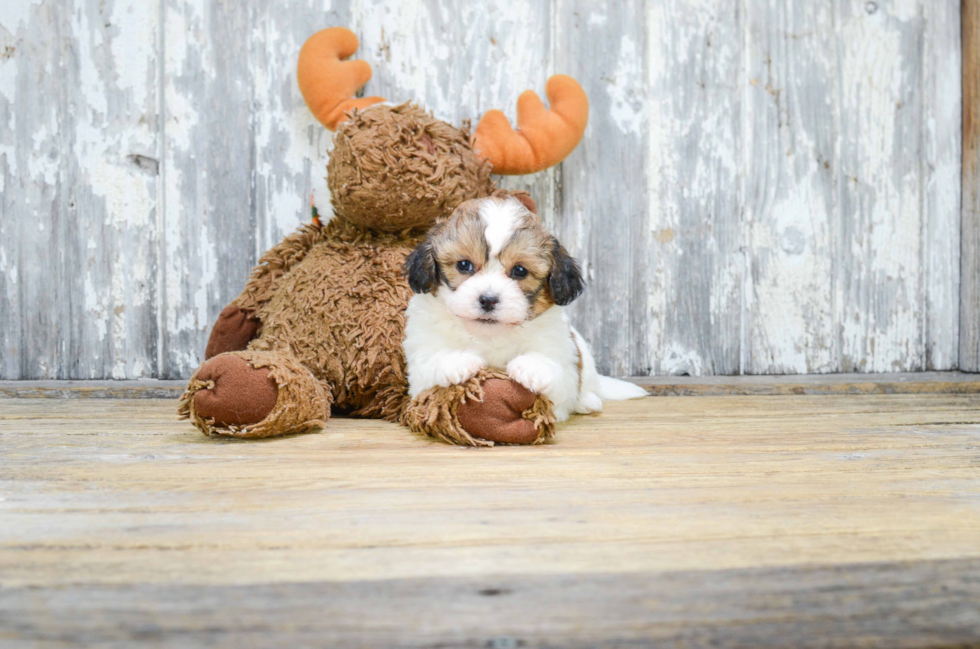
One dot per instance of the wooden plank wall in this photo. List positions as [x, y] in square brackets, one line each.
[766, 186]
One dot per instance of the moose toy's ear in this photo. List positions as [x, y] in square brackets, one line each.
[565, 279]
[420, 268]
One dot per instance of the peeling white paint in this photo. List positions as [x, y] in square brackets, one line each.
[17, 13]
[43, 163]
[881, 194]
[597, 19]
[629, 107]
[406, 46]
[678, 360]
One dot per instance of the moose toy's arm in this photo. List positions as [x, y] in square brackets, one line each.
[238, 323]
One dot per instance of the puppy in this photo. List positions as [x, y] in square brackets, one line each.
[491, 283]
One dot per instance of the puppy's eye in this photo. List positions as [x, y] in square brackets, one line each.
[465, 266]
[518, 272]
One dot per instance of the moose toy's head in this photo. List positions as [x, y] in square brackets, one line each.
[394, 168]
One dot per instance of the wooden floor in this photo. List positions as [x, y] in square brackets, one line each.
[834, 520]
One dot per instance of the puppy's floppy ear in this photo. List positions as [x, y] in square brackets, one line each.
[565, 280]
[526, 200]
[420, 268]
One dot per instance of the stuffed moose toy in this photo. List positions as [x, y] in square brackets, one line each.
[319, 327]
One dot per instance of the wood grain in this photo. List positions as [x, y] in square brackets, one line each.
[969, 349]
[601, 221]
[789, 193]
[796, 607]
[765, 187]
[209, 225]
[880, 186]
[756, 521]
[813, 384]
[941, 167]
[696, 298]
[683, 386]
[79, 178]
[139, 389]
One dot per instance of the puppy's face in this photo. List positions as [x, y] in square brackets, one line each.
[494, 265]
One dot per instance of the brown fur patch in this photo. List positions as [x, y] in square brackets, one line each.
[530, 247]
[460, 239]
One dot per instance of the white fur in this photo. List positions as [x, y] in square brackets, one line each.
[501, 218]
[612, 389]
[540, 354]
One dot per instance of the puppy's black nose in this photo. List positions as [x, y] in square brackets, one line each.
[487, 302]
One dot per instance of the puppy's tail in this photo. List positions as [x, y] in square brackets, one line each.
[610, 389]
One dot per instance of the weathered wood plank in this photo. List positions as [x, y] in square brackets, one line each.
[693, 230]
[290, 145]
[243, 153]
[602, 219]
[143, 389]
[789, 190]
[33, 321]
[942, 177]
[507, 48]
[759, 385]
[969, 348]
[778, 607]
[814, 384]
[880, 252]
[112, 186]
[80, 190]
[209, 239]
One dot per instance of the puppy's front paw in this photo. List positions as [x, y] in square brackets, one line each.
[534, 371]
[456, 367]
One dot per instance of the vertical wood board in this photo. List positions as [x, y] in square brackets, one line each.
[969, 312]
[79, 175]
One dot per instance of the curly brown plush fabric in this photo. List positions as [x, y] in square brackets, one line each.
[342, 313]
[401, 168]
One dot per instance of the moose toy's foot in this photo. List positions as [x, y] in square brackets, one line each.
[255, 394]
[234, 392]
[499, 417]
[489, 408]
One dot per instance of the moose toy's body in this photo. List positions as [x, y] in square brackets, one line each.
[319, 326]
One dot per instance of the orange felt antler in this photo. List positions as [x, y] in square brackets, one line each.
[543, 137]
[327, 81]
